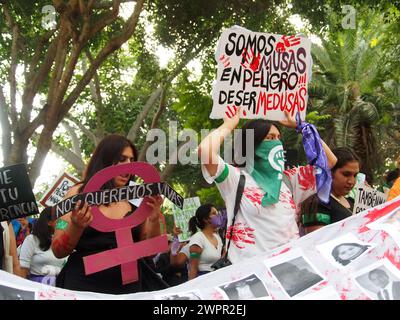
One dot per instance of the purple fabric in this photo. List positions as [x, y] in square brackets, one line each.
[175, 246]
[49, 280]
[316, 156]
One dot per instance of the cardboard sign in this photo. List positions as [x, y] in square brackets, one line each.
[16, 197]
[182, 216]
[58, 190]
[367, 197]
[263, 73]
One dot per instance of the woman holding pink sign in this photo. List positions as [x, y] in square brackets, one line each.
[75, 237]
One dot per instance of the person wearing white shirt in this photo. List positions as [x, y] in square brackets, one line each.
[37, 260]
[205, 246]
[267, 214]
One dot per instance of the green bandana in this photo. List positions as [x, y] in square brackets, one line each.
[267, 170]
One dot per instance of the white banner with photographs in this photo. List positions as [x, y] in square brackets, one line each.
[354, 259]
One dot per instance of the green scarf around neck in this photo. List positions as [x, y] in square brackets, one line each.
[267, 170]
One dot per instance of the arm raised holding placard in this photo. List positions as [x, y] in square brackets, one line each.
[267, 215]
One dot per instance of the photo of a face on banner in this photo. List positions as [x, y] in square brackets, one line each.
[389, 223]
[248, 288]
[344, 250]
[294, 272]
[379, 281]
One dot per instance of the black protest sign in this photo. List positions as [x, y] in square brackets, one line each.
[118, 194]
[16, 196]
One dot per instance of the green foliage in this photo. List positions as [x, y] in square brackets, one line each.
[348, 86]
[211, 195]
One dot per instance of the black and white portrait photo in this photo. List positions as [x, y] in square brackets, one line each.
[191, 295]
[11, 293]
[296, 275]
[381, 281]
[248, 288]
[343, 250]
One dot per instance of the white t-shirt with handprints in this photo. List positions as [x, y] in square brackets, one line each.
[258, 229]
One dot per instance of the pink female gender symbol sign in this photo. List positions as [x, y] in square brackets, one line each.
[127, 253]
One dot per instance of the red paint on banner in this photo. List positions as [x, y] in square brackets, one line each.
[320, 286]
[281, 252]
[375, 214]
[393, 257]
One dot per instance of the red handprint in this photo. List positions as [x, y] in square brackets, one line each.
[231, 111]
[306, 177]
[290, 172]
[225, 61]
[240, 234]
[287, 42]
[254, 60]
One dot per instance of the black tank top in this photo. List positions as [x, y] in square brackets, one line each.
[92, 241]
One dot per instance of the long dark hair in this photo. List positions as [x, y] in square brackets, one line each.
[392, 176]
[198, 220]
[344, 155]
[107, 153]
[260, 128]
[42, 230]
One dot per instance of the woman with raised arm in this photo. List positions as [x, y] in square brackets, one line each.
[267, 214]
[74, 236]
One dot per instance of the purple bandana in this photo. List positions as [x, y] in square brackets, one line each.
[316, 156]
[175, 246]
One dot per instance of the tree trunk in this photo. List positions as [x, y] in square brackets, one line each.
[43, 147]
[18, 151]
[59, 105]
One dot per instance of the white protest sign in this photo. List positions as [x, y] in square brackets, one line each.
[58, 190]
[367, 197]
[263, 73]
